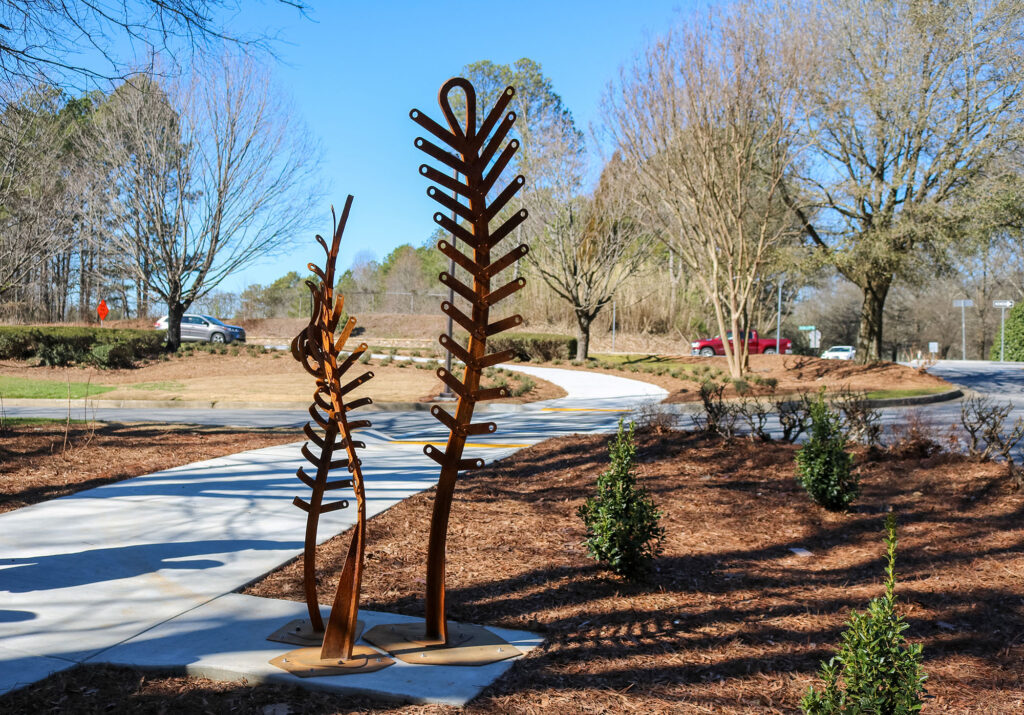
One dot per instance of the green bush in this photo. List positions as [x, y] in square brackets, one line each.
[16, 343]
[1014, 336]
[874, 671]
[66, 345]
[622, 520]
[538, 347]
[823, 464]
[112, 355]
[57, 354]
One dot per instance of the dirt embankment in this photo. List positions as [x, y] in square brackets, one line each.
[682, 375]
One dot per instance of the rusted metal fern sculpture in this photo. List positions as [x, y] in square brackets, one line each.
[478, 155]
[319, 349]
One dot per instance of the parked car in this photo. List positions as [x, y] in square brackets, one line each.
[204, 328]
[755, 345]
[840, 352]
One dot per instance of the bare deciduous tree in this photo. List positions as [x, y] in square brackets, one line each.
[906, 104]
[584, 247]
[68, 42]
[704, 118]
[212, 174]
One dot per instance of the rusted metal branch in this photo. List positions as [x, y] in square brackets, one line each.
[470, 153]
[318, 349]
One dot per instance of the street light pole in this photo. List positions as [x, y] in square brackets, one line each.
[963, 331]
[1002, 333]
[1002, 305]
[778, 321]
[963, 305]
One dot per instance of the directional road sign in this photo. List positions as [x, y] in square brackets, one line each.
[1002, 304]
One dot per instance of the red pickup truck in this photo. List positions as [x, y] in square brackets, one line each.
[755, 345]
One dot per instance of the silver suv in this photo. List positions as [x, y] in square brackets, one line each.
[204, 328]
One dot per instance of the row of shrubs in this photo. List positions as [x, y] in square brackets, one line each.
[875, 670]
[104, 347]
[538, 347]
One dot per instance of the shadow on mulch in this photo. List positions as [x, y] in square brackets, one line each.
[730, 621]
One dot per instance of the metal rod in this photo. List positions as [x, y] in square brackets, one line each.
[963, 331]
[613, 326]
[778, 321]
[1002, 333]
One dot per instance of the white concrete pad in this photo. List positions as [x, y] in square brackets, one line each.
[225, 639]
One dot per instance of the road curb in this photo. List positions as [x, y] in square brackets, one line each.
[196, 404]
[917, 400]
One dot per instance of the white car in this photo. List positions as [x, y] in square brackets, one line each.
[839, 352]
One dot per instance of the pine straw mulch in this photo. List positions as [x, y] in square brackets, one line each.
[731, 621]
[38, 461]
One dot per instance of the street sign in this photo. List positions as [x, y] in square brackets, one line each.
[815, 339]
[966, 303]
[1002, 304]
[102, 310]
[806, 327]
[933, 348]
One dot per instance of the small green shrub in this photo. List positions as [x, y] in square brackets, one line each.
[16, 343]
[622, 520]
[111, 356]
[874, 671]
[823, 464]
[60, 354]
[539, 347]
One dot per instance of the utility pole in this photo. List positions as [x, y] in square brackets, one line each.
[613, 326]
[963, 305]
[1002, 305]
[778, 320]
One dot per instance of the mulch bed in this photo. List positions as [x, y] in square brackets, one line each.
[730, 621]
[50, 459]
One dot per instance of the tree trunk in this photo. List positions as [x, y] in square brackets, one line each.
[175, 309]
[583, 321]
[869, 334]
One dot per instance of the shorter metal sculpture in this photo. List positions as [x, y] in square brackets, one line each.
[319, 351]
[480, 156]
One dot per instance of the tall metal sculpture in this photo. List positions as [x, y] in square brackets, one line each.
[318, 349]
[479, 155]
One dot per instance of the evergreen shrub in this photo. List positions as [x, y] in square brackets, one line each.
[874, 671]
[65, 345]
[1014, 336]
[622, 520]
[823, 464]
[538, 347]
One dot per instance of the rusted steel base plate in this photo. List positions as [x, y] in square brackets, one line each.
[467, 645]
[307, 663]
[300, 632]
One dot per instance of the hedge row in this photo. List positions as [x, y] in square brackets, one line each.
[105, 347]
[539, 347]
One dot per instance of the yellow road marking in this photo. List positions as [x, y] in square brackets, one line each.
[468, 444]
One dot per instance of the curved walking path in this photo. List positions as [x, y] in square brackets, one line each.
[129, 572]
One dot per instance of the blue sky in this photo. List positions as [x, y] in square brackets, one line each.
[354, 71]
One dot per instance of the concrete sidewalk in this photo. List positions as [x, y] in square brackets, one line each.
[86, 573]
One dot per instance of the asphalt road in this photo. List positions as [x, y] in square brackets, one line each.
[1000, 382]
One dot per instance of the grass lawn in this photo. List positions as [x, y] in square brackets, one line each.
[885, 394]
[13, 388]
